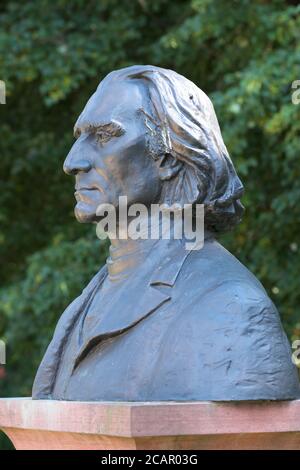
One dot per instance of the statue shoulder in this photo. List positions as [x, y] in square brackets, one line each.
[215, 267]
[216, 280]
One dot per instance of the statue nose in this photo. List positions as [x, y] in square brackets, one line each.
[72, 168]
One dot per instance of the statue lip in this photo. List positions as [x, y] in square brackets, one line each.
[84, 189]
[79, 193]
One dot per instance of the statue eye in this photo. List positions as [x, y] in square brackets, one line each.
[102, 137]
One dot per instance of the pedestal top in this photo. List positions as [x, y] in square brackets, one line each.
[142, 419]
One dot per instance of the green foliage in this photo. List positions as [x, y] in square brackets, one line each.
[244, 54]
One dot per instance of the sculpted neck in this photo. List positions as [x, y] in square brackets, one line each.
[125, 256]
[127, 253]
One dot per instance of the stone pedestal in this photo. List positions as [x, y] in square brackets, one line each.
[167, 425]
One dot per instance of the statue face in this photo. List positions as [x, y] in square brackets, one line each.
[110, 157]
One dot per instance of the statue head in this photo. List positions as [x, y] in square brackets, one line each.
[152, 135]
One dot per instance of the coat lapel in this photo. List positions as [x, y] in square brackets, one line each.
[144, 298]
[46, 374]
[153, 295]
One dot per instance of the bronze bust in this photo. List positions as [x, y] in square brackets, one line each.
[158, 321]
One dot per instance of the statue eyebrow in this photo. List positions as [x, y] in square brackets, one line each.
[113, 128]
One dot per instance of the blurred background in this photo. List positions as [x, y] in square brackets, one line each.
[244, 54]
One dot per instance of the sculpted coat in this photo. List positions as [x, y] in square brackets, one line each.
[186, 336]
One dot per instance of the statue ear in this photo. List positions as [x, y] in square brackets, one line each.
[168, 166]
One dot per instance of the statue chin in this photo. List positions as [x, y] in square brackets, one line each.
[83, 215]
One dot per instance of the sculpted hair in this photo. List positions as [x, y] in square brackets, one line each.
[185, 138]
